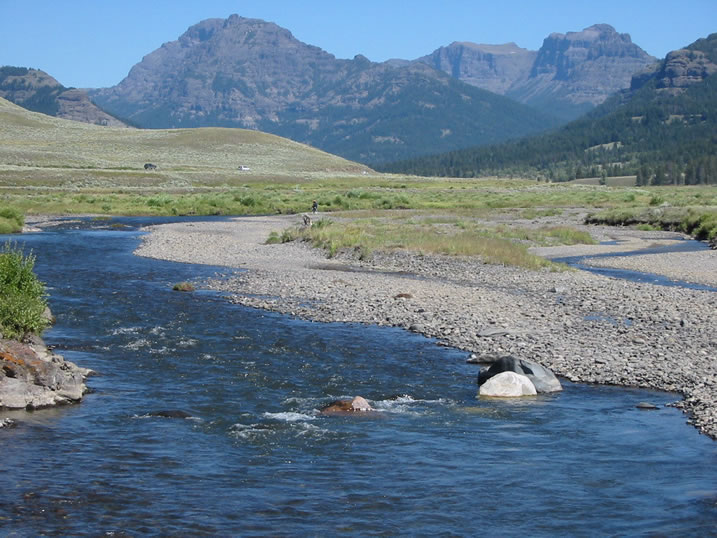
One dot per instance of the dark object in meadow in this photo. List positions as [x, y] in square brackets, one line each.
[543, 379]
[150, 166]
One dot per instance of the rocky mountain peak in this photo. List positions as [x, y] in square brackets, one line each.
[569, 75]
[577, 71]
[591, 33]
[490, 67]
[237, 31]
[562, 54]
[681, 68]
[227, 71]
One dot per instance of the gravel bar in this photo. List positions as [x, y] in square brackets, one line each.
[585, 327]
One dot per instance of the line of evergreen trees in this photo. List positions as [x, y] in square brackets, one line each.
[698, 172]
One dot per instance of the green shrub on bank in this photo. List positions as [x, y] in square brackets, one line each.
[22, 295]
[11, 220]
[699, 222]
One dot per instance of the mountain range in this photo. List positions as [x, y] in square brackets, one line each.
[570, 74]
[240, 72]
[663, 129]
[250, 73]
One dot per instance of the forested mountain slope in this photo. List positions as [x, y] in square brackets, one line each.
[663, 129]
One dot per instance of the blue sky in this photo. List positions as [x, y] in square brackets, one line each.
[94, 43]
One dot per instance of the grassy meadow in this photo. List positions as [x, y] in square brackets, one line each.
[52, 166]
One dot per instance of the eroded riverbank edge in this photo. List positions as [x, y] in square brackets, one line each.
[585, 327]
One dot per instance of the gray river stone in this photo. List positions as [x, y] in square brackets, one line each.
[507, 385]
[543, 379]
[492, 332]
[7, 423]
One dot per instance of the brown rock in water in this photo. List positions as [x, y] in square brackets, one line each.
[345, 407]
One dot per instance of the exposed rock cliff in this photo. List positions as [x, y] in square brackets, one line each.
[582, 68]
[492, 67]
[75, 105]
[679, 70]
[569, 75]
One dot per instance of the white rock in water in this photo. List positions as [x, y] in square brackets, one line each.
[508, 385]
[360, 404]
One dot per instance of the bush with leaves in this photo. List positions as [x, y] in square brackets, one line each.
[11, 220]
[22, 295]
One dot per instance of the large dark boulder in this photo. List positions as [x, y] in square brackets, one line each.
[543, 379]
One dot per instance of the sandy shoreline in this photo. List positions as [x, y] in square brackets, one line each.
[585, 327]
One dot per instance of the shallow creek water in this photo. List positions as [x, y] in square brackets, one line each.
[258, 459]
[687, 245]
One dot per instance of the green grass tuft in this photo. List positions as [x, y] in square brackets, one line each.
[183, 286]
[699, 222]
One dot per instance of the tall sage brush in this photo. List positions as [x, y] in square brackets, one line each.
[11, 220]
[22, 295]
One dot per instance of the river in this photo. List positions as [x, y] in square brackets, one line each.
[256, 458]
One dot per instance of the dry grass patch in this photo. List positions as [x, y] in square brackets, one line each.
[499, 245]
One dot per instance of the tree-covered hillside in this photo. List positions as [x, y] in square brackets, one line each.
[35, 90]
[663, 130]
[30, 88]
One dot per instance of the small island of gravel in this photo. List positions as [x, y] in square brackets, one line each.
[585, 327]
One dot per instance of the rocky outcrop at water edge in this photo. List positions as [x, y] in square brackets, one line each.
[32, 377]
